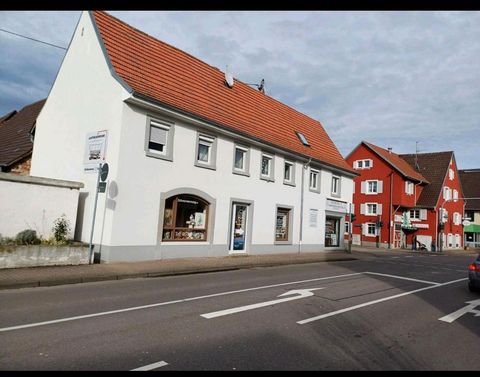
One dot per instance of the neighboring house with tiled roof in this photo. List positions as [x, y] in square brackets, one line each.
[444, 192]
[201, 164]
[470, 179]
[398, 198]
[16, 141]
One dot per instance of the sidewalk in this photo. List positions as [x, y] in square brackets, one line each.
[58, 275]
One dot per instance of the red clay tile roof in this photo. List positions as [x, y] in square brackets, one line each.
[397, 162]
[434, 167]
[470, 180]
[163, 73]
[15, 142]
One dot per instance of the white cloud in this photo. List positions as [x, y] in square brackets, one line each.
[391, 78]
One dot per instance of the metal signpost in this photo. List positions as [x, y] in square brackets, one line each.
[100, 187]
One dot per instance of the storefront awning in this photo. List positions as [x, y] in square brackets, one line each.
[472, 228]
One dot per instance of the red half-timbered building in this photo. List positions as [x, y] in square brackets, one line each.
[399, 199]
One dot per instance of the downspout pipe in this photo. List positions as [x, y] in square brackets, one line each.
[305, 167]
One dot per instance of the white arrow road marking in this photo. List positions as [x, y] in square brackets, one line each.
[301, 293]
[150, 366]
[110, 312]
[467, 309]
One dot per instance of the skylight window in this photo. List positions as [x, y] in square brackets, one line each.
[302, 138]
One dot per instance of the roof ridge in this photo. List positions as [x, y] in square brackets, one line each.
[248, 87]
[157, 70]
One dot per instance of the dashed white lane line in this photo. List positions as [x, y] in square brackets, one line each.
[150, 366]
[308, 320]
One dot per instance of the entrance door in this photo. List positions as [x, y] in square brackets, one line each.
[332, 232]
[238, 227]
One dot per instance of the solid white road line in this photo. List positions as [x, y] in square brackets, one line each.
[150, 366]
[308, 320]
[401, 277]
[167, 303]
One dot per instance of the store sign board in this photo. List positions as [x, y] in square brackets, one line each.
[336, 206]
[95, 149]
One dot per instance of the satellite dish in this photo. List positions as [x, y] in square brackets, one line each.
[228, 78]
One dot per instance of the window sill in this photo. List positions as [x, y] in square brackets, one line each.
[287, 183]
[205, 166]
[239, 172]
[159, 156]
[268, 179]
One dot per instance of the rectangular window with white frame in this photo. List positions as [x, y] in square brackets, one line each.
[418, 214]
[206, 151]
[159, 139]
[455, 194]
[371, 209]
[335, 186]
[446, 193]
[267, 167]
[451, 174]
[371, 187]
[409, 187]
[241, 160]
[314, 180]
[289, 173]
[363, 164]
[370, 229]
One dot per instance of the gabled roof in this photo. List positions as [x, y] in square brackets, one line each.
[433, 166]
[7, 116]
[470, 179]
[166, 75]
[15, 141]
[396, 162]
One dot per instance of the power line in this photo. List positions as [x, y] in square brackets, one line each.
[32, 39]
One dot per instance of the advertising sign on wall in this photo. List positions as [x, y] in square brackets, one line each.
[95, 148]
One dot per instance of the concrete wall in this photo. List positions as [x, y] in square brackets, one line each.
[35, 203]
[36, 255]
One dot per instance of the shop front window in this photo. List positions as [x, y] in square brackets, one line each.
[185, 219]
[332, 232]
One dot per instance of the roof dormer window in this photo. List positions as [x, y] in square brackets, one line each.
[302, 138]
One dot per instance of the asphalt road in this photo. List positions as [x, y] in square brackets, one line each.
[394, 312]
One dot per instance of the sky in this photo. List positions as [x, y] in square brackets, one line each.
[409, 80]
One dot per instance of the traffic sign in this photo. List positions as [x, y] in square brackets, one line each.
[102, 186]
[104, 172]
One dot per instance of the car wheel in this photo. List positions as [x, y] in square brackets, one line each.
[471, 287]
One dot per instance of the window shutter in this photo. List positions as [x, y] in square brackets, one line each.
[362, 209]
[364, 229]
[355, 164]
[158, 135]
[363, 187]
[379, 187]
[371, 163]
[423, 214]
[406, 187]
[379, 209]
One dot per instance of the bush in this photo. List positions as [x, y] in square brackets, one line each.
[27, 237]
[61, 228]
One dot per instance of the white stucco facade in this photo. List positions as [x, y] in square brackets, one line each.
[86, 97]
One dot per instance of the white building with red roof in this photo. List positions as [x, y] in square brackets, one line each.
[200, 163]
